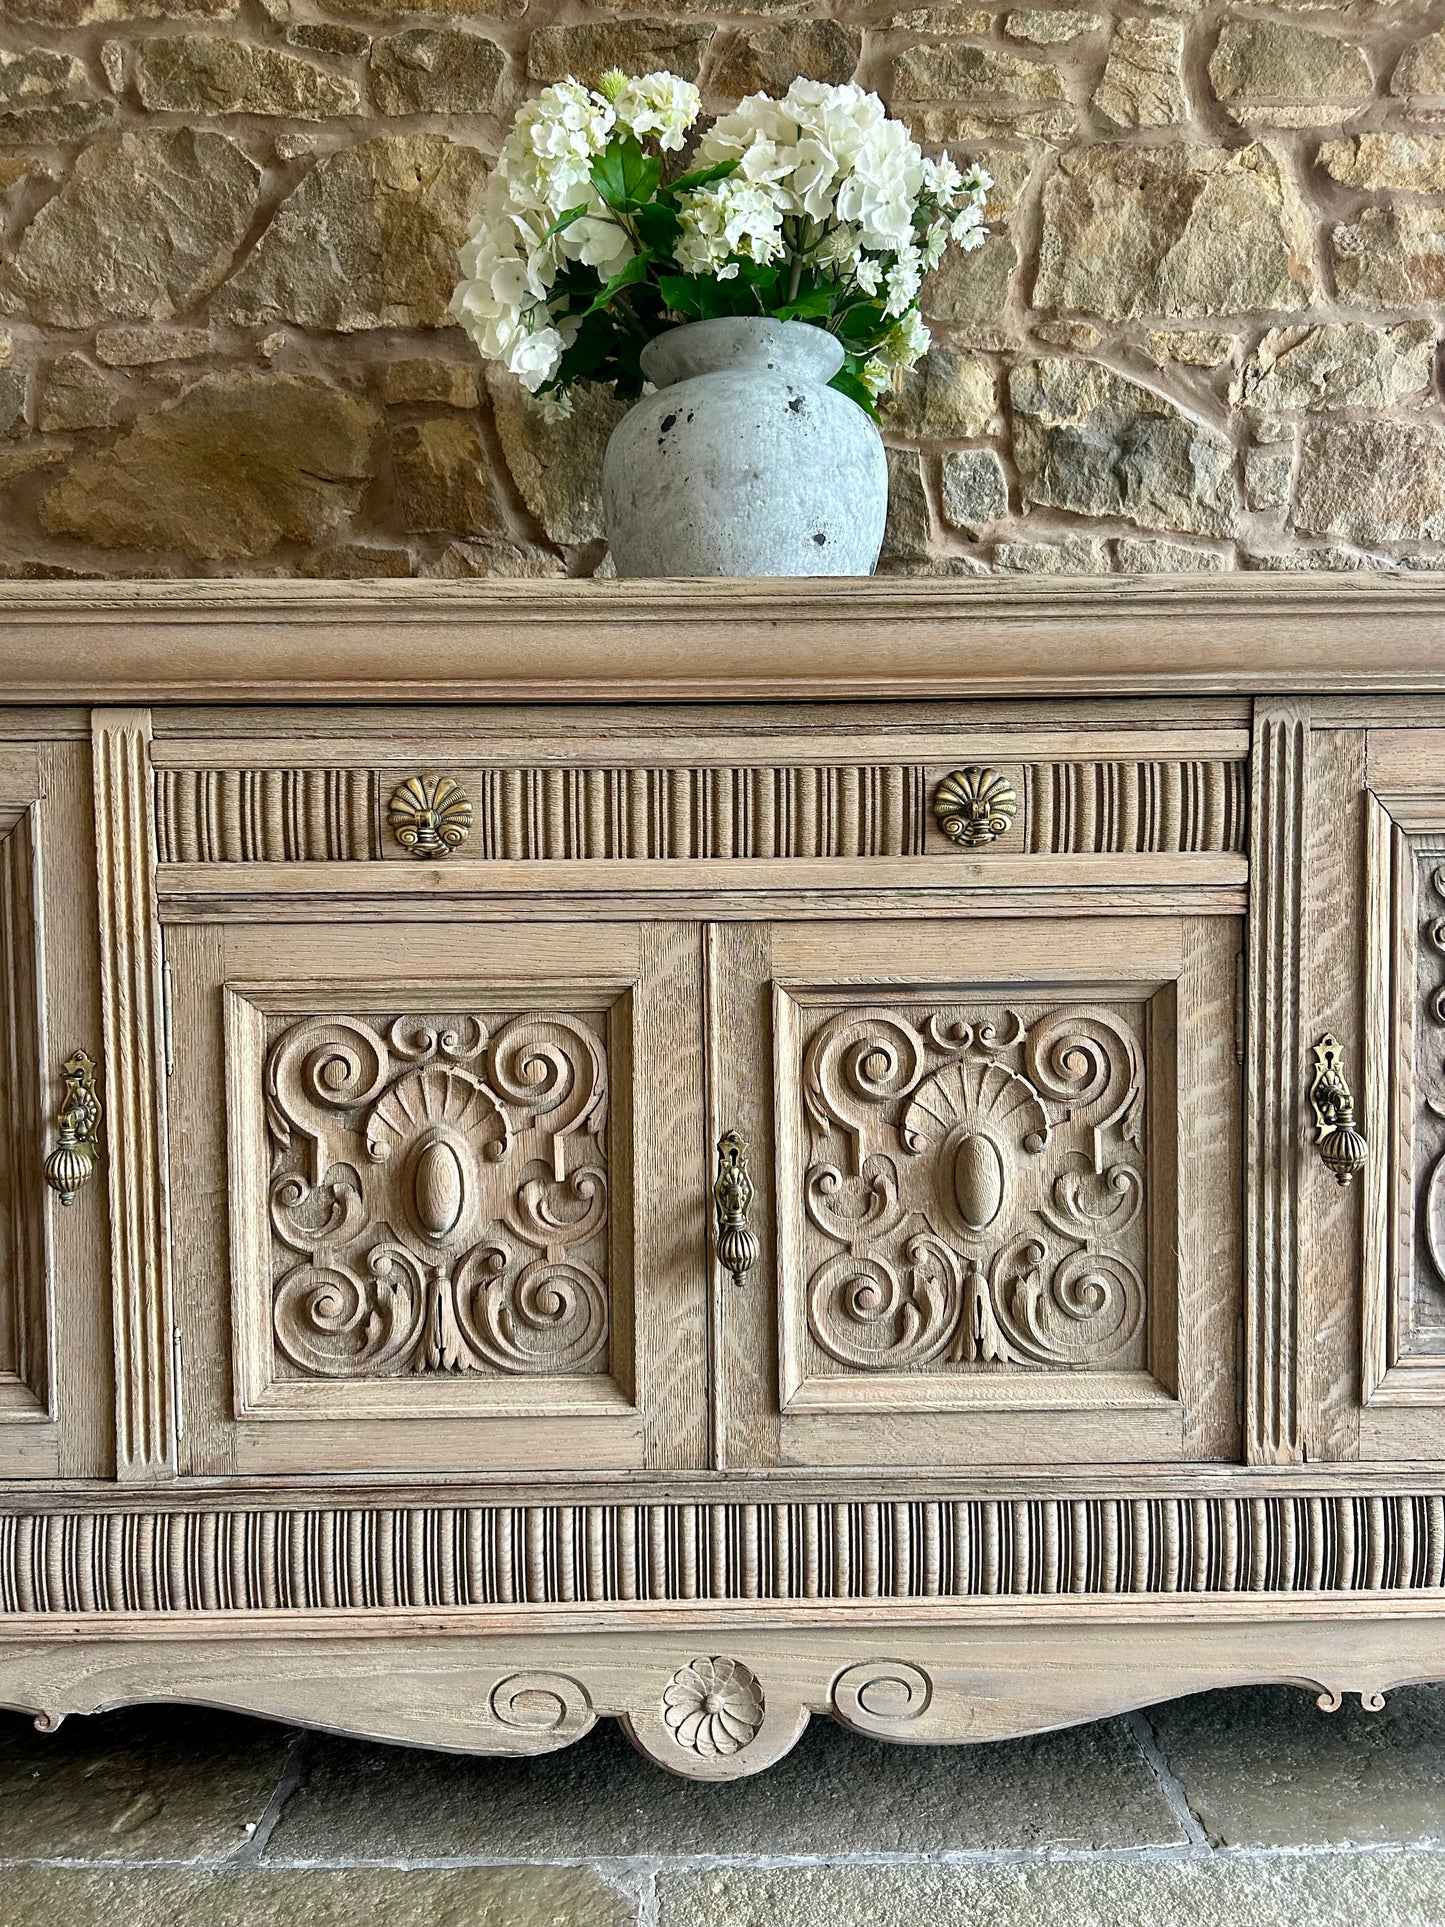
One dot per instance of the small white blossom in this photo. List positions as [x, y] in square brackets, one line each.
[659, 106]
[906, 343]
[731, 217]
[903, 282]
[875, 376]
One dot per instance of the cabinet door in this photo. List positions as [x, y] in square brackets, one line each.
[996, 1170]
[1401, 1085]
[438, 1196]
[55, 1410]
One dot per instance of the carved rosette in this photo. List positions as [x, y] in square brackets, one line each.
[438, 1194]
[974, 1187]
[713, 1707]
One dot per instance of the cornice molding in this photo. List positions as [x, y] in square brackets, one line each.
[573, 641]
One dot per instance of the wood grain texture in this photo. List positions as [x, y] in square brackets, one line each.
[134, 1055]
[1275, 1141]
[268, 641]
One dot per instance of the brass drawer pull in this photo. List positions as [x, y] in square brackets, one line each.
[72, 1163]
[430, 815]
[737, 1247]
[974, 806]
[1340, 1143]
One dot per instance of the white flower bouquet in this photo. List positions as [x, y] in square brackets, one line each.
[816, 208]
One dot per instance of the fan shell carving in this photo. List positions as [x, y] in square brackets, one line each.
[713, 1707]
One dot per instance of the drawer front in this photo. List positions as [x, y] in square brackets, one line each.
[424, 1186]
[996, 1168]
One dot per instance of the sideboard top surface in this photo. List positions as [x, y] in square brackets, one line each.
[831, 639]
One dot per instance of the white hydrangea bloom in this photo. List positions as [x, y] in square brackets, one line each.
[734, 216]
[659, 107]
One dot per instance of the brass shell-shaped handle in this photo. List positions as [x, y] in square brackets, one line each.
[737, 1247]
[974, 806]
[430, 815]
[72, 1163]
[1339, 1141]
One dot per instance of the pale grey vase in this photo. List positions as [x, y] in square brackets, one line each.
[744, 462]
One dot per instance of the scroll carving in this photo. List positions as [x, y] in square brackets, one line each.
[974, 1187]
[1426, 1313]
[438, 1194]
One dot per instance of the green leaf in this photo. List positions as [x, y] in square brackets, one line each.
[658, 226]
[636, 270]
[565, 220]
[703, 176]
[855, 390]
[694, 297]
[808, 307]
[624, 176]
[863, 319]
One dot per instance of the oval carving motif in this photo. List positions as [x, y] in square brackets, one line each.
[978, 1180]
[439, 1189]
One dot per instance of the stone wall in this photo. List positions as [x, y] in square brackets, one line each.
[1202, 334]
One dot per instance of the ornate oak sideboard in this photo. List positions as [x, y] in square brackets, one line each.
[707, 1154]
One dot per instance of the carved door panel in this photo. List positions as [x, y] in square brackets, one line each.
[1399, 1083]
[996, 1174]
[439, 1196]
[55, 1414]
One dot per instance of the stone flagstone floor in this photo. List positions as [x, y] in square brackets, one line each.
[1244, 1809]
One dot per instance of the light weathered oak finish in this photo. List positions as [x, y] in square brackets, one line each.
[1066, 1377]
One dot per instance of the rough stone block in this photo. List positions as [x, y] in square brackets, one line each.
[1420, 71]
[1143, 82]
[432, 71]
[1334, 366]
[1087, 440]
[1372, 481]
[960, 73]
[975, 490]
[946, 397]
[450, 384]
[40, 73]
[438, 469]
[1413, 162]
[1075, 555]
[766, 59]
[368, 239]
[1176, 230]
[1392, 257]
[1278, 74]
[76, 394]
[195, 73]
[145, 226]
[557, 466]
[240, 463]
[123, 347]
[53, 126]
[635, 46]
[1051, 29]
[1145, 555]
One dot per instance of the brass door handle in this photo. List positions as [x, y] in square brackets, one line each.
[1339, 1142]
[72, 1163]
[737, 1247]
